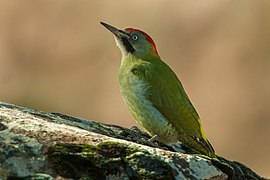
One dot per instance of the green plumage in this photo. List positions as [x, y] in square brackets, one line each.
[164, 92]
[154, 94]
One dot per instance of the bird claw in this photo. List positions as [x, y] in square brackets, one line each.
[152, 139]
[136, 130]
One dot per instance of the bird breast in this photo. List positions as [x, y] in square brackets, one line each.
[136, 91]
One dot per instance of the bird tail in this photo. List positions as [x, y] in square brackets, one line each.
[207, 147]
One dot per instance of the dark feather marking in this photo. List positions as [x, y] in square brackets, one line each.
[127, 45]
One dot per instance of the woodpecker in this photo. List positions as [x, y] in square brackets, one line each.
[154, 95]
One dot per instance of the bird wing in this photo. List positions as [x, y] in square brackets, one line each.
[169, 97]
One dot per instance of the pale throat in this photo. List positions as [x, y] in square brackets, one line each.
[120, 45]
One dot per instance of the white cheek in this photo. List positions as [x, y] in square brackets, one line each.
[120, 45]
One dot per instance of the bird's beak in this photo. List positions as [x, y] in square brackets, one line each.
[117, 32]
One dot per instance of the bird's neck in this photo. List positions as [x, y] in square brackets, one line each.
[129, 59]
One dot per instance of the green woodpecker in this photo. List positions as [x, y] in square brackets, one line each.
[154, 95]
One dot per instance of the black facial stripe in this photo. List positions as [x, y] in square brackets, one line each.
[127, 45]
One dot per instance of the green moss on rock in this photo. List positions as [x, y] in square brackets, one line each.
[106, 159]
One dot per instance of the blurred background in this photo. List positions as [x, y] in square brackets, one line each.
[56, 57]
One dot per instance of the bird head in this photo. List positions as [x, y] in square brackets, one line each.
[134, 41]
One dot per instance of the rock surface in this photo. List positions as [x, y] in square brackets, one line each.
[40, 145]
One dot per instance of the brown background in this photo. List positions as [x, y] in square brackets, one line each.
[55, 56]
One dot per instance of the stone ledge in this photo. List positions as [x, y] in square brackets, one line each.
[35, 144]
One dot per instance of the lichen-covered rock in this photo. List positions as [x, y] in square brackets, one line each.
[42, 145]
[114, 159]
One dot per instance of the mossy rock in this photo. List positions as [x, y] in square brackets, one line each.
[107, 159]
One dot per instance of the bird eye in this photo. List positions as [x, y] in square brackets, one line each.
[135, 37]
